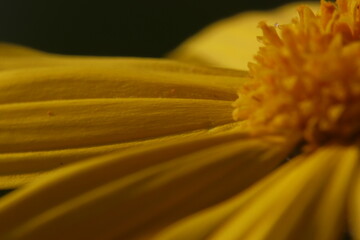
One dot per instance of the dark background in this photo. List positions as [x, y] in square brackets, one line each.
[148, 28]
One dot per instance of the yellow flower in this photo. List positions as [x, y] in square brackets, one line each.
[159, 155]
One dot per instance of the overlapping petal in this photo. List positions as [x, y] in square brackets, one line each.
[58, 109]
[141, 189]
[231, 43]
[354, 206]
[304, 199]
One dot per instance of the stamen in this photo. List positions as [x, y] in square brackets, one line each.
[306, 77]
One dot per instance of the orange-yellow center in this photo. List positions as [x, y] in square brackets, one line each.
[306, 78]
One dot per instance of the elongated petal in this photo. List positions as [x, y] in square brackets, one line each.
[34, 161]
[55, 109]
[59, 83]
[231, 42]
[131, 161]
[16, 180]
[283, 202]
[19, 57]
[327, 217]
[354, 207]
[71, 77]
[80, 123]
[141, 189]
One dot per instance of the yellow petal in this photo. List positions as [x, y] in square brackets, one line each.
[59, 124]
[19, 57]
[55, 83]
[231, 43]
[354, 207]
[132, 160]
[9, 50]
[281, 203]
[35, 161]
[16, 180]
[58, 109]
[133, 188]
[327, 218]
[71, 77]
[202, 224]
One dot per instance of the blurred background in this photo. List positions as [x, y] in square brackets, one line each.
[148, 28]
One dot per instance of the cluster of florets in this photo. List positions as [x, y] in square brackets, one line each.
[306, 77]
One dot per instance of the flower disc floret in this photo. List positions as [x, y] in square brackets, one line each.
[306, 77]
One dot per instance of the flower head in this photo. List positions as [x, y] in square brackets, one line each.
[306, 78]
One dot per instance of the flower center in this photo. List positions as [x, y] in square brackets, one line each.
[306, 77]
